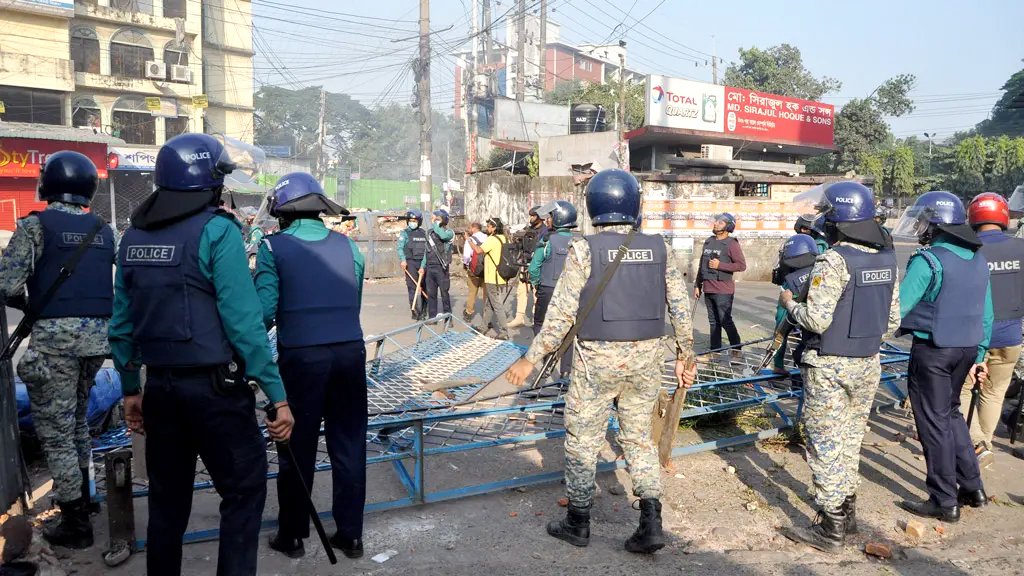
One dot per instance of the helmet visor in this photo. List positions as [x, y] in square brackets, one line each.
[913, 222]
[547, 209]
[812, 203]
[1016, 200]
[239, 158]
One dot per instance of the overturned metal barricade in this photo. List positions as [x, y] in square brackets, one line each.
[429, 397]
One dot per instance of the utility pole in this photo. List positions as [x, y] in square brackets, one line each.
[423, 85]
[623, 146]
[521, 50]
[488, 48]
[471, 86]
[543, 47]
[321, 160]
[714, 61]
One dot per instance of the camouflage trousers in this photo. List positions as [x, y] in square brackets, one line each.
[58, 391]
[837, 403]
[602, 373]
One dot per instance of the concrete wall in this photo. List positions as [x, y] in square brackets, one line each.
[529, 121]
[559, 153]
[34, 51]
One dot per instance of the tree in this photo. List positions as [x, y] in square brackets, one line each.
[873, 166]
[969, 163]
[1006, 158]
[779, 70]
[860, 125]
[291, 118]
[901, 172]
[390, 148]
[1007, 118]
[606, 95]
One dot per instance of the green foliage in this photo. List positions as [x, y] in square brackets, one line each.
[872, 165]
[606, 95]
[1006, 159]
[1005, 119]
[892, 98]
[969, 164]
[533, 163]
[901, 171]
[779, 70]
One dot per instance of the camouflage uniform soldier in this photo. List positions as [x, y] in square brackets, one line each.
[619, 354]
[1019, 369]
[69, 341]
[852, 302]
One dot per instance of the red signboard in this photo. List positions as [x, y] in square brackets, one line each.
[22, 157]
[771, 118]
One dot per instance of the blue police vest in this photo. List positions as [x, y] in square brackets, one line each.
[1005, 259]
[552, 268]
[955, 319]
[319, 291]
[861, 316]
[173, 306]
[632, 306]
[797, 281]
[439, 255]
[89, 292]
[415, 244]
[715, 248]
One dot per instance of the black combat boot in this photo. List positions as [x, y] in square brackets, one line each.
[74, 530]
[350, 547]
[850, 508]
[290, 547]
[827, 533]
[92, 507]
[974, 499]
[575, 528]
[648, 537]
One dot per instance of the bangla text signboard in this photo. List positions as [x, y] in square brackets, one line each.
[744, 114]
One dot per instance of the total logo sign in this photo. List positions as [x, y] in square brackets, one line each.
[680, 103]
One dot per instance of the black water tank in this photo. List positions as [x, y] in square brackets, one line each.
[585, 118]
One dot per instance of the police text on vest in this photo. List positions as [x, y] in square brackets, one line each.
[883, 276]
[150, 254]
[1004, 266]
[638, 255]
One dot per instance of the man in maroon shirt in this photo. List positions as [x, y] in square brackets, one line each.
[720, 257]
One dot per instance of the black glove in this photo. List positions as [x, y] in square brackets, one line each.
[19, 301]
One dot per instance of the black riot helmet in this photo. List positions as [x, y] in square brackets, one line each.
[68, 176]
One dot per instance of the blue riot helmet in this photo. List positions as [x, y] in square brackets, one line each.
[845, 211]
[933, 212]
[68, 176]
[563, 214]
[799, 251]
[414, 215]
[443, 215]
[814, 226]
[300, 193]
[728, 219]
[613, 197]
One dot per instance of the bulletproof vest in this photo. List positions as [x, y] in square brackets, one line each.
[173, 306]
[797, 281]
[551, 270]
[319, 291]
[89, 292]
[861, 316]
[1006, 268]
[632, 306]
[955, 318]
[715, 248]
[415, 244]
[437, 251]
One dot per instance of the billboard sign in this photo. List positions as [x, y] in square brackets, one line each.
[65, 8]
[738, 112]
[677, 103]
[22, 157]
[134, 158]
[769, 117]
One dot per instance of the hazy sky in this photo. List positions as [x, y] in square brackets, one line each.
[961, 53]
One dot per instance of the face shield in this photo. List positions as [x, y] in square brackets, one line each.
[913, 223]
[812, 204]
[238, 158]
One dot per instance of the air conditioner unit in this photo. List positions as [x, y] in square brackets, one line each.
[181, 74]
[715, 152]
[156, 70]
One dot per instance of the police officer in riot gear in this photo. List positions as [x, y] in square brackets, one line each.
[619, 356]
[310, 281]
[412, 248]
[548, 261]
[852, 303]
[947, 306]
[437, 262]
[795, 262]
[814, 229]
[68, 341]
[185, 307]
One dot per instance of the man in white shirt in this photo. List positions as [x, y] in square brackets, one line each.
[474, 283]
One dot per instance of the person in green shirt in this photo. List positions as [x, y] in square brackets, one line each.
[185, 307]
[946, 303]
[437, 261]
[548, 262]
[310, 281]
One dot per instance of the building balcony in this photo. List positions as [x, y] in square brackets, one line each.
[193, 25]
[31, 71]
[86, 81]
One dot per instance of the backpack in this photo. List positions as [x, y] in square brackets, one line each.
[476, 265]
[508, 265]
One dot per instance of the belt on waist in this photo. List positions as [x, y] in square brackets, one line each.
[182, 371]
